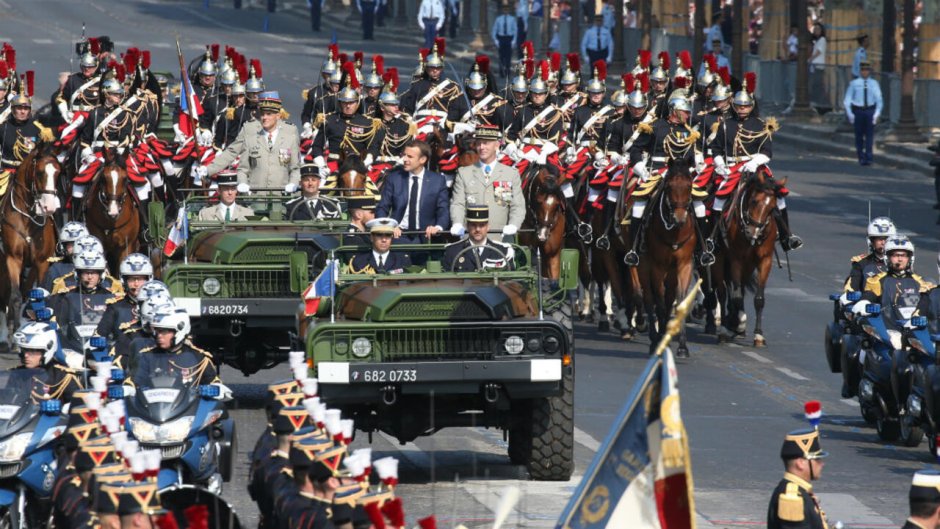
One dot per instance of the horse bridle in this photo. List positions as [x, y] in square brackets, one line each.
[104, 196]
[666, 206]
[748, 222]
[530, 191]
[33, 193]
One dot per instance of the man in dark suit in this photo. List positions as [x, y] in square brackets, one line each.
[380, 260]
[482, 253]
[416, 198]
[310, 205]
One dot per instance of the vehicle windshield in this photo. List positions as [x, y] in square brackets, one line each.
[19, 387]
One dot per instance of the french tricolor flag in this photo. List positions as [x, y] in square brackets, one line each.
[178, 233]
[324, 286]
[190, 106]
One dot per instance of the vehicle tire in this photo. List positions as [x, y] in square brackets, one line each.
[888, 430]
[911, 434]
[868, 414]
[550, 454]
[520, 435]
[563, 315]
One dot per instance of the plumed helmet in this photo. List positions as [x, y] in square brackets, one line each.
[744, 97]
[661, 72]
[618, 99]
[112, 86]
[207, 66]
[86, 243]
[238, 89]
[881, 227]
[347, 94]
[373, 80]
[721, 92]
[678, 100]
[255, 84]
[476, 80]
[88, 60]
[435, 59]
[389, 95]
[90, 260]
[37, 336]
[519, 83]
[72, 231]
[597, 83]
[329, 66]
[538, 86]
[136, 264]
[229, 76]
[172, 318]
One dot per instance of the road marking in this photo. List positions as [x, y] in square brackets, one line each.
[275, 49]
[43, 41]
[756, 356]
[747, 508]
[161, 45]
[584, 439]
[790, 373]
[791, 292]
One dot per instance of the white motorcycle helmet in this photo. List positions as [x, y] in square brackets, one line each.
[71, 232]
[37, 336]
[90, 260]
[136, 264]
[152, 288]
[149, 307]
[88, 242]
[900, 243]
[172, 318]
[881, 227]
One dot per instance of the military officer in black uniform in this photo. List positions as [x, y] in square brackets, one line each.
[85, 302]
[793, 504]
[310, 205]
[171, 328]
[312, 96]
[346, 130]
[924, 499]
[236, 114]
[123, 311]
[430, 97]
[314, 464]
[476, 251]
[373, 84]
[482, 106]
[80, 93]
[204, 88]
[19, 134]
[266, 476]
[380, 259]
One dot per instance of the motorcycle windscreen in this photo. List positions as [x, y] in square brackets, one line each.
[20, 391]
[179, 497]
[166, 385]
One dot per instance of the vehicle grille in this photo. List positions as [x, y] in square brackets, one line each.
[8, 470]
[422, 310]
[166, 452]
[240, 283]
[263, 254]
[423, 344]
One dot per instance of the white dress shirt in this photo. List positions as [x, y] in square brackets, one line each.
[505, 26]
[863, 93]
[598, 38]
[381, 259]
[431, 9]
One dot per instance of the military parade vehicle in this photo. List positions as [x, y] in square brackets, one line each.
[239, 281]
[411, 353]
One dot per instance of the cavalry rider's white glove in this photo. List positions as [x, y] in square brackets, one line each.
[460, 128]
[571, 154]
[199, 172]
[244, 188]
[756, 161]
[549, 148]
[88, 155]
[307, 131]
[616, 159]
[721, 168]
[324, 171]
[204, 137]
[699, 162]
[319, 161]
[509, 229]
[67, 114]
[512, 151]
[291, 187]
[641, 171]
[368, 160]
[600, 160]
[179, 137]
[457, 230]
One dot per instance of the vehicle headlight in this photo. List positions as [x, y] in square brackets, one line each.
[171, 432]
[551, 344]
[211, 418]
[361, 347]
[211, 286]
[534, 344]
[341, 347]
[13, 448]
[51, 434]
[514, 345]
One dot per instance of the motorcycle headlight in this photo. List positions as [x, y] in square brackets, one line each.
[13, 448]
[171, 432]
[211, 286]
[211, 418]
[361, 347]
[895, 338]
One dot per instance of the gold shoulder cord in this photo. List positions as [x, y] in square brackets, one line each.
[676, 147]
[350, 138]
[748, 136]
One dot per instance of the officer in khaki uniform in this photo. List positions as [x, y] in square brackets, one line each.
[488, 183]
[793, 504]
[226, 210]
[269, 148]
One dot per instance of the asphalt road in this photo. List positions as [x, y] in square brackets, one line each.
[738, 401]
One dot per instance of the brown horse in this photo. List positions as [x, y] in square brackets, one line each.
[109, 215]
[27, 230]
[746, 254]
[544, 224]
[351, 179]
[665, 270]
[466, 151]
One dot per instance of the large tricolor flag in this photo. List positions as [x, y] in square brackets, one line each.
[324, 286]
[641, 477]
[178, 233]
[190, 106]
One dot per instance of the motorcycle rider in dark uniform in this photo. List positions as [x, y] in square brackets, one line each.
[792, 503]
[898, 289]
[477, 251]
[870, 264]
[123, 311]
[69, 280]
[86, 301]
[61, 264]
[171, 328]
[38, 343]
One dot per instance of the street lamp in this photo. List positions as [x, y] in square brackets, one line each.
[906, 130]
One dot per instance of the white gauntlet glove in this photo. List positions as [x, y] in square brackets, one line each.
[460, 128]
[291, 187]
[179, 137]
[641, 171]
[204, 137]
[199, 172]
[549, 148]
[88, 155]
[512, 151]
[319, 161]
[368, 160]
[756, 161]
[616, 159]
[457, 230]
[509, 229]
[307, 132]
[324, 171]
[720, 168]
[243, 188]
[571, 154]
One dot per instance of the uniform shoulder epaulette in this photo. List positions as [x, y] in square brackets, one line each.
[645, 128]
[198, 349]
[715, 126]
[76, 481]
[114, 299]
[790, 504]
[873, 283]
[230, 113]
[924, 284]
[305, 93]
[860, 257]
[318, 121]
[54, 259]
[147, 349]
[376, 123]
[771, 125]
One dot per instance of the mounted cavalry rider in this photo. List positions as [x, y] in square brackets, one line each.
[19, 133]
[80, 94]
[538, 128]
[236, 115]
[482, 106]
[325, 104]
[373, 84]
[659, 85]
[569, 98]
[519, 89]
[874, 262]
[658, 143]
[397, 128]
[710, 120]
[313, 97]
[898, 289]
[61, 264]
[87, 301]
[204, 88]
[430, 97]
[742, 145]
[122, 312]
[588, 137]
[346, 130]
[214, 105]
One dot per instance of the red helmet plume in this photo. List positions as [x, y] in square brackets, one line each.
[242, 69]
[441, 43]
[343, 58]
[30, 82]
[750, 78]
[4, 70]
[712, 63]
[529, 68]
[350, 69]
[529, 49]
[333, 51]
[215, 52]
[545, 69]
[645, 57]
[428, 523]
[680, 82]
[664, 61]
[424, 52]
[627, 79]
[555, 60]
[130, 61]
[391, 78]
[483, 61]
[256, 64]
[94, 45]
[378, 64]
[644, 79]
[119, 72]
[725, 75]
[145, 59]
[359, 57]
[574, 62]
[685, 59]
[601, 68]
[228, 52]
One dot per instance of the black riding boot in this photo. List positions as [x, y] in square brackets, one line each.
[787, 240]
[584, 230]
[706, 245]
[603, 242]
[75, 209]
[632, 258]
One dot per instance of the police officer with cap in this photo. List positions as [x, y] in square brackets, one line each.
[122, 312]
[793, 504]
[380, 259]
[924, 498]
[477, 251]
[310, 205]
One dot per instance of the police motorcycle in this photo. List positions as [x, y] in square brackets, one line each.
[29, 428]
[916, 384]
[168, 411]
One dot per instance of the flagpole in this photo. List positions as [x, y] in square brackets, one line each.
[674, 326]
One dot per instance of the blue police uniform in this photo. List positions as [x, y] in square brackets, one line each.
[863, 103]
[368, 8]
[505, 33]
[597, 44]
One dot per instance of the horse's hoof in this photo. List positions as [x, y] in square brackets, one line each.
[759, 341]
[641, 326]
[682, 352]
[725, 336]
[603, 325]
